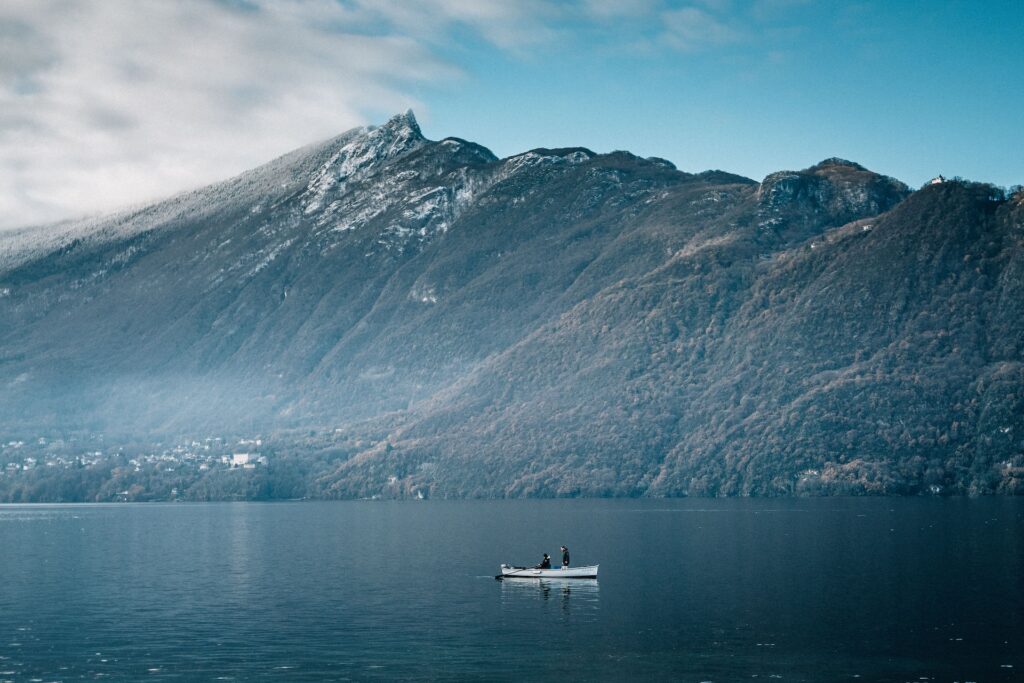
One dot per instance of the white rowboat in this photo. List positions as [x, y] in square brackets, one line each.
[510, 572]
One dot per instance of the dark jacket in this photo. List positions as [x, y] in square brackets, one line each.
[545, 563]
[565, 557]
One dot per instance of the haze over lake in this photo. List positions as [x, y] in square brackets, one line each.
[693, 590]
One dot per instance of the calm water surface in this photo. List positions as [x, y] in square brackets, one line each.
[691, 590]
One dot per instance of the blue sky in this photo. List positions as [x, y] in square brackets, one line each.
[912, 89]
[109, 102]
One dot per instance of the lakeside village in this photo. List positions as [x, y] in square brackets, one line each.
[24, 459]
[88, 467]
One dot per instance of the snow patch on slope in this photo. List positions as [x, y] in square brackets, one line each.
[364, 155]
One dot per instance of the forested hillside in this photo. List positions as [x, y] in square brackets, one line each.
[395, 316]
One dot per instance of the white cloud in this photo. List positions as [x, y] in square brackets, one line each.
[615, 9]
[691, 28]
[507, 25]
[109, 102]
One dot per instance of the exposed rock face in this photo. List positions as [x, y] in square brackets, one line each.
[833, 192]
[559, 322]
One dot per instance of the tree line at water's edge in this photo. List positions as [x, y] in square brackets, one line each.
[308, 467]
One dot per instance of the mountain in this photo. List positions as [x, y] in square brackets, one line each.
[406, 317]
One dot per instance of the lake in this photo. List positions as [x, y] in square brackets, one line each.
[866, 589]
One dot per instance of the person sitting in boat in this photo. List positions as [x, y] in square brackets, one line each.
[565, 557]
[545, 563]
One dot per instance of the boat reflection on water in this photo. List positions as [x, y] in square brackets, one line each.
[581, 595]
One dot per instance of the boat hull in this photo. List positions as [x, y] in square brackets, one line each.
[510, 572]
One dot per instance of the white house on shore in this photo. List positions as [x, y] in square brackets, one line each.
[242, 459]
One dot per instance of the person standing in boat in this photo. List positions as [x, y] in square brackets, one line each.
[545, 563]
[565, 557]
